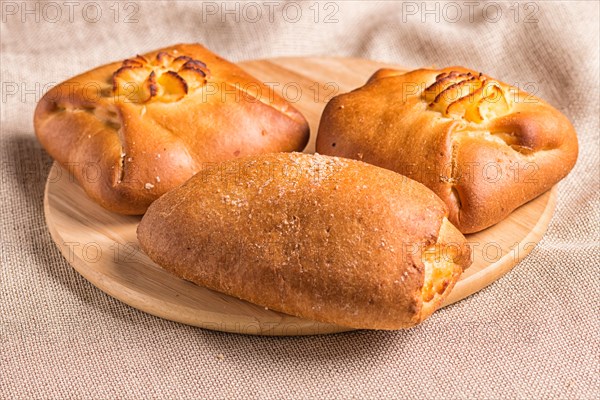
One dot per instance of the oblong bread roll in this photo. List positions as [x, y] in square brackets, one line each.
[323, 238]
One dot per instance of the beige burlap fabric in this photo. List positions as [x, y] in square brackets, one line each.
[533, 334]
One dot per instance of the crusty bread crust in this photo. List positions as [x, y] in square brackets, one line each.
[482, 168]
[127, 152]
[323, 238]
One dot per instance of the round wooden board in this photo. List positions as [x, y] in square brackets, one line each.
[102, 246]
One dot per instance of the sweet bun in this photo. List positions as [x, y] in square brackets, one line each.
[484, 147]
[130, 131]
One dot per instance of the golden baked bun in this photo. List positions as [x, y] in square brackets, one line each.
[132, 130]
[484, 147]
[323, 238]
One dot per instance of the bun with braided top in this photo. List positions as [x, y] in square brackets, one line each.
[484, 147]
[130, 131]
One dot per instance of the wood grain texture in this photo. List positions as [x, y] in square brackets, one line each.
[103, 248]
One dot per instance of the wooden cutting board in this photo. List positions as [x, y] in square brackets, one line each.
[102, 246]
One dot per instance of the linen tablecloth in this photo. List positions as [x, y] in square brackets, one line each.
[532, 334]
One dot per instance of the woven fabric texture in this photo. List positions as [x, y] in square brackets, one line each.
[532, 334]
